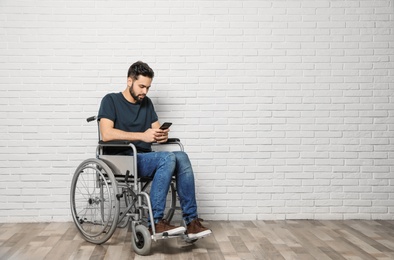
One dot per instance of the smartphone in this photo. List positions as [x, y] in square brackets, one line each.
[165, 125]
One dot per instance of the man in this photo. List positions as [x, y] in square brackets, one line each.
[130, 115]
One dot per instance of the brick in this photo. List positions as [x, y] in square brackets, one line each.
[278, 103]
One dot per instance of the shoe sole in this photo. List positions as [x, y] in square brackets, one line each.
[200, 235]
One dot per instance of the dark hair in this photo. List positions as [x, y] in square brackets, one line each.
[140, 68]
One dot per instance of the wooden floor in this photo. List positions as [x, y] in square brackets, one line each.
[303, 239]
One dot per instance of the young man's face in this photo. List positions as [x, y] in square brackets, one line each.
[139, 88]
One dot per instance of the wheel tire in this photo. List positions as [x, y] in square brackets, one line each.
[93, 201]
[144, 244]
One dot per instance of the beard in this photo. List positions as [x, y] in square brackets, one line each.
[137, 98]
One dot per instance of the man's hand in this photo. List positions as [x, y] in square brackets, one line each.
[155, 135]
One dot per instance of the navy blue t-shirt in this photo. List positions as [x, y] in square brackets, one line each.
[130, 117]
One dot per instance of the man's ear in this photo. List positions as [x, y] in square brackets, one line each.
[129, 82]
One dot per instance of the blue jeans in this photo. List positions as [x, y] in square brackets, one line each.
[162, 166]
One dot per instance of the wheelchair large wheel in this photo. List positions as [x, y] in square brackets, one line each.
[94, 202]
[144, 243]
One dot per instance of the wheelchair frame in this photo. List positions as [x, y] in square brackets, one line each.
[99, 184]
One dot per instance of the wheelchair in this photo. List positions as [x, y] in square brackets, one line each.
[107, 193]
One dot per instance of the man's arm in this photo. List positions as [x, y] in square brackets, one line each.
[154, 134]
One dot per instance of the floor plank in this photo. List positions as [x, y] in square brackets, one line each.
[291, 239]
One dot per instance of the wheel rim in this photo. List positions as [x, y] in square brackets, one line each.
[94, 202]
[141, 242]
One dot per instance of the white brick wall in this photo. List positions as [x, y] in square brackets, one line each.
[285, 107]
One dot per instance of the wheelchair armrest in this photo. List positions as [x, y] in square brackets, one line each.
[125, 142]
[118, 142]
[170, 142]
[173, 140]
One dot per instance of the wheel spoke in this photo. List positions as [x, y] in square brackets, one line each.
[93, 201]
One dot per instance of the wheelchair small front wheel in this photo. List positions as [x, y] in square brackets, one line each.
[93, 201]
[144, 243]
[189, 240]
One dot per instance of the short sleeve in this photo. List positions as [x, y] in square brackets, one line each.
[154, 116]
[107, 108]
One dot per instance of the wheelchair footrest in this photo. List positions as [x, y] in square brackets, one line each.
[165, 236]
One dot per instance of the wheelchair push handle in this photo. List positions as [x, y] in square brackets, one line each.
[92, 118]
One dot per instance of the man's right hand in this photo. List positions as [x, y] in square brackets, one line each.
[153, 135]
